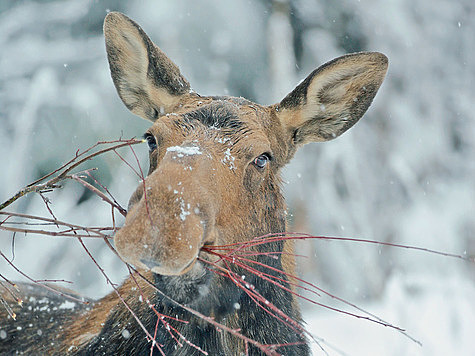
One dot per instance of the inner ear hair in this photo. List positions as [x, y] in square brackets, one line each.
[333, 97]
[147, 81]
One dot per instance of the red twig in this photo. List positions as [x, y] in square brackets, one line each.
[263, 348]
[41, 284]
[262, 302]
[234, 258]
[142, 176]
[113, 285]
[93, 189]
[65, 169]
[303, 236]
[116, 204]
[162, 317]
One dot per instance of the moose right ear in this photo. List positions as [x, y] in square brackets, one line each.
[332, 98]
[147, 81]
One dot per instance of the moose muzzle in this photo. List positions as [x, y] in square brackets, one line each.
[174, 218]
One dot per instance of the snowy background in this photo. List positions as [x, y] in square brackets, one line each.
[404, 174]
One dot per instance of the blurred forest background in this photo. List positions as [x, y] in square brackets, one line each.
[404, 174]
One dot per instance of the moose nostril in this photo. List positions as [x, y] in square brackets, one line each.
[149, 263]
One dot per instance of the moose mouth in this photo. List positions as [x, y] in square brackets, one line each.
[198, 263]
[190, 287]
[200, 287]
[202, 258]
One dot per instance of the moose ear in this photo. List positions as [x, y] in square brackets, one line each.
[147, 81]
[333, 97]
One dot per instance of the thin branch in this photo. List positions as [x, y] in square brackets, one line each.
[89, 186]
[304, 236]
[113, 285]
[116, 203]
[264, 348]
[66, 168]
[96, 231]
[51, 289]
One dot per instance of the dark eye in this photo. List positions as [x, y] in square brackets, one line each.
[152, 143]
[261, 161]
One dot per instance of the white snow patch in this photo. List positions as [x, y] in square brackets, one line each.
[67, 305]
[185, 150]
[184, 212]
[125, 334]
[223, 139]
[229, 159]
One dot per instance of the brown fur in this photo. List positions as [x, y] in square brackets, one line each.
[205, 187]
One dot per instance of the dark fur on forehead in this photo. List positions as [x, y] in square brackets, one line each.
[219, 114]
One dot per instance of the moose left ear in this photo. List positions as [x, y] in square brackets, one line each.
[333, 97]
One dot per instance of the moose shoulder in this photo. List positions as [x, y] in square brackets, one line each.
[214, 180]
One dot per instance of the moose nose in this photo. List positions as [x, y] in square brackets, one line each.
[166, 228]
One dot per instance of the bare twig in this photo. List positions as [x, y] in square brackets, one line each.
[45, 286]
[89, 186]
[70, 231]
[114, 286]
[267, 349]
[116, 203]
[239, 254]
[66, 168]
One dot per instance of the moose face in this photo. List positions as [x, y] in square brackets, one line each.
[215, 161]
[213, 179]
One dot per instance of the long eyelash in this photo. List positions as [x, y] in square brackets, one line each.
[269, 156]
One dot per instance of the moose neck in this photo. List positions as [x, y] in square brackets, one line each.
[221, 299]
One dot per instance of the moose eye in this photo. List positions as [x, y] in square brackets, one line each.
[261, 161]
[152, 143]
